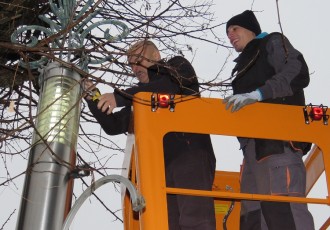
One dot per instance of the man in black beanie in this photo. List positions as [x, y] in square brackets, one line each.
[269, 69]
[247, 20]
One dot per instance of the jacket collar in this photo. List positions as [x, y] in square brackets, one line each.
[152, 70]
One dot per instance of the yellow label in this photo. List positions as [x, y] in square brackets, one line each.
[96, 95]
[221, 208]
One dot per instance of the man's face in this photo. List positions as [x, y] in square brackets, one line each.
[141, 59]
[239, 37]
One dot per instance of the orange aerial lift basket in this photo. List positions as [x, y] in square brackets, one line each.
[156, 115]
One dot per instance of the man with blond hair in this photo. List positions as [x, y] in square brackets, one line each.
[189, 158]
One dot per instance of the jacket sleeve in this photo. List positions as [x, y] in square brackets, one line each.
[162, 84]
[114, 123]
[291, 71]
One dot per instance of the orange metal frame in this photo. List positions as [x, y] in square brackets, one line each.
[144, 161]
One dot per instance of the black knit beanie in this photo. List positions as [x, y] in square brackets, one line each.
[247, 20]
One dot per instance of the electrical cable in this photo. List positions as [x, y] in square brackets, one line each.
[137, 200]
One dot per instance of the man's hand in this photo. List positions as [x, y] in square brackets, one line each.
[238, 101]
[107, 102]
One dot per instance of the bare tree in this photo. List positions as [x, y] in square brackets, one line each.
[102, 32]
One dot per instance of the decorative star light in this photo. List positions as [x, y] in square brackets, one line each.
[75, 38]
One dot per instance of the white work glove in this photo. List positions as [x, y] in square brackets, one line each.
[238, 101]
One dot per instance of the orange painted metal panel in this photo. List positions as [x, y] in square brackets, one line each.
[326, 224]
[226, 182]
[314, 167]
[208, 115]
[131, 218]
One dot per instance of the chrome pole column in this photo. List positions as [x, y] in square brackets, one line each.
[48, 187]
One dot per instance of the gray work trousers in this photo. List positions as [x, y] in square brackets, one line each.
[279, 174]
[193, 169]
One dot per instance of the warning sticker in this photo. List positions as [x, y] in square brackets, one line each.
[221, 208]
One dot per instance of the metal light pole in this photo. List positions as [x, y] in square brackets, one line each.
[48, 187]
[47, 193]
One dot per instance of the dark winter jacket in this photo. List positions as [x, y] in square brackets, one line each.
[175, 76]
[272, 65]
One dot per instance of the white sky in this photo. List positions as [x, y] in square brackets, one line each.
[304, 22]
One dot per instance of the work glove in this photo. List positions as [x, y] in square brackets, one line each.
[238, 101]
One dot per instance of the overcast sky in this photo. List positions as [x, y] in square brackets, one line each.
[304, 22]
